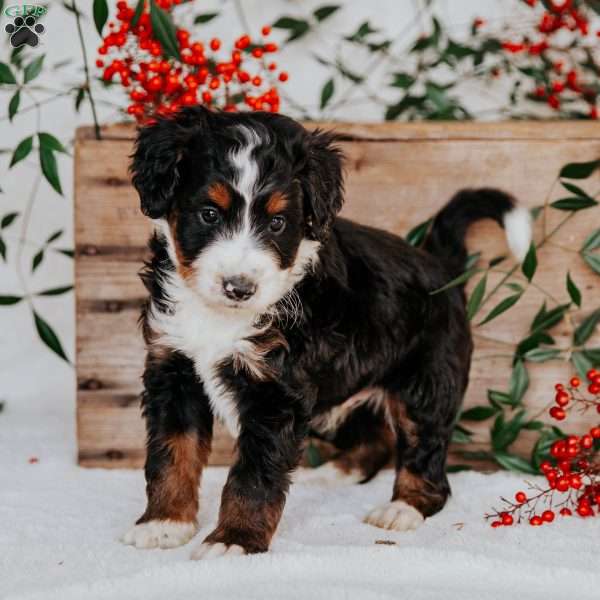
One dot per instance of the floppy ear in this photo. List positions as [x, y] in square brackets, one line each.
[322, 181]
[159, 149]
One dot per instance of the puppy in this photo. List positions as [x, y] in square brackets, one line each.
[269, 313]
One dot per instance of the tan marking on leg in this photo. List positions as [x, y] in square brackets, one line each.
[417, 492]
[174, 495]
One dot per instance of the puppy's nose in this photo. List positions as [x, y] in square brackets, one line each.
[239, 288]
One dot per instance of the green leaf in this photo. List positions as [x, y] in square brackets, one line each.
[593, 262]
[402, 80]
[100, 10]
[8, 219]
[416, 236]
[33, 69]
[529, 265]
[13, 105]
[503, 434]
[581, 363]
[458, 468]
[313, 456]
[79, 98]
[47, 140]
[519, 382]
[164, 30]
[534, 425]
[10, 300]
[323, 12]
[541, 450]
[584, 332]
[593, 355]
[50, 168]
[37, 260]
[139, 9]
[6, 75]
[457, 281]
[364, 29]
[2, 249]
[541, 354]
[574, 203]
[592, 241]
[496, 398]
[48, 336]
[476, 297]
[21, 151]
[472, 260]
[57, 291]
[579, 170]
[205, 18]
[67, 253]
[511, 462]
[478, 413]
[574, 189]
[573, 290]
[54, 236]
[501, 307]
[546, 319]
[460, 436]
[296, 27]
[327, 93]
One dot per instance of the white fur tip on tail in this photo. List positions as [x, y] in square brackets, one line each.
[517, 225]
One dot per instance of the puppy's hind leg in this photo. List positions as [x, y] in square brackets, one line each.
[420, 487]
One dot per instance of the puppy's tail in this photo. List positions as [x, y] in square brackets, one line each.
[447, 235]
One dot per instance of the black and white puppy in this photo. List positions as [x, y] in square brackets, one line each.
[269, 313]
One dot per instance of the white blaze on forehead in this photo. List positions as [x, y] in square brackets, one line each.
[246, 177]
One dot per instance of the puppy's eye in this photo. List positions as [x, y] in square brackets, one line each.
[277, 224]
[209, 215]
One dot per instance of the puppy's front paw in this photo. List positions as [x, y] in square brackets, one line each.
[160, 534]
[396, 515]
[206, 551]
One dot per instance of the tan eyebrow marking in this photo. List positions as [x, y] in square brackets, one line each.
[220, 195]
[276, 203]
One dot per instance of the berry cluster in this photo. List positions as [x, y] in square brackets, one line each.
[573, 473]
[558, 57]
[160, 84]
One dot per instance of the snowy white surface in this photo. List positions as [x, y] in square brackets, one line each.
[59, 530]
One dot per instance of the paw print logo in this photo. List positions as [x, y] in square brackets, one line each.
[24, 31]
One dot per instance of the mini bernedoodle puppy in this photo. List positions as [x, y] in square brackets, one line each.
[268, 312]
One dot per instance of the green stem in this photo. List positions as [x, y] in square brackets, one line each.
[88, 86]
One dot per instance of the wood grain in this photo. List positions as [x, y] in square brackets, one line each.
[398, 175]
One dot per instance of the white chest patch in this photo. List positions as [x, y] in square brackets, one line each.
[207, 336]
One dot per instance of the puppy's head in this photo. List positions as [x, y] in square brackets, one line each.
[244, 200]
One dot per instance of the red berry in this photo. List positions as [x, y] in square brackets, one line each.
[548, 516]
[595, 432]
[565, 512]
[215, 44]
[283, 76]
[557, 413]
[575, 481]
[257, 52]
[591, 374]
[559, 387]
[496, 524]
[535, 521]
[562, 484]
[266, 30]
[520, 497]
[594, 388]
[507, 519]
[587, 441]
[575, 382]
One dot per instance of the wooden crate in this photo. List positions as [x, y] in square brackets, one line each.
[398, 176]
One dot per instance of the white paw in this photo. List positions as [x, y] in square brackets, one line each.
[206, 551]
[396, 515]
[160, 534]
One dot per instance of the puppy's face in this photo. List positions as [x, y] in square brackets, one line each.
[240, 206]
